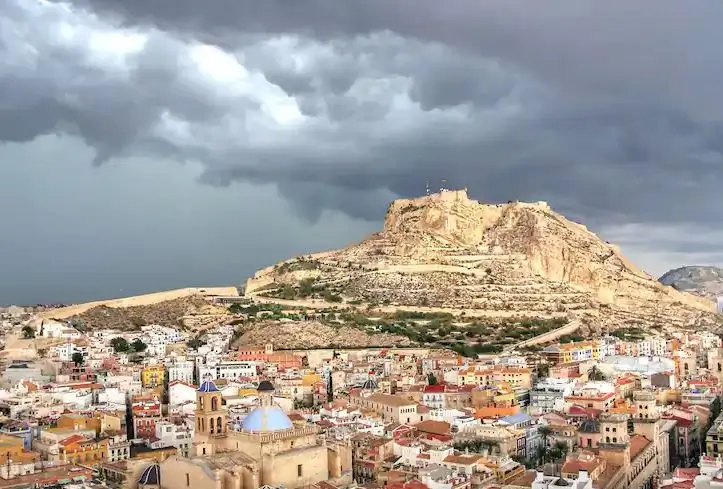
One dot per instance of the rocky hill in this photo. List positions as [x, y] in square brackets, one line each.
[193, 312]
[314, 334]
[447, 252]
[705, 281]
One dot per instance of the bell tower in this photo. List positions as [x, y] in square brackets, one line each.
[211, 418]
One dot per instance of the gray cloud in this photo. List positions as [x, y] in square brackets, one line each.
[609, 110]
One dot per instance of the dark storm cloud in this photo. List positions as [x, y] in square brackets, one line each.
[609, 110]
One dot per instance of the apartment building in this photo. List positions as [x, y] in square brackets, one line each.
[393, 409]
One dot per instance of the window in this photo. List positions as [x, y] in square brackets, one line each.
[188, 480]
[299, 472]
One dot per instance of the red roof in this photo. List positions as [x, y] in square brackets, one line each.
[72, 439]
[439, 388]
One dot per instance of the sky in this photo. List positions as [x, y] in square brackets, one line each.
[149, 145]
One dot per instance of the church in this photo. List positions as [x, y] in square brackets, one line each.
[265, 449]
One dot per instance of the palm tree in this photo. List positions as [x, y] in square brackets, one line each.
[594, 373]
[544, 431]
[560, 448]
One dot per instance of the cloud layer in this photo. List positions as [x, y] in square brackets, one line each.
[609, 110]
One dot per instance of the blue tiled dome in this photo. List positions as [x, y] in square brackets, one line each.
[208, 386]
[151, 476]
[266, 418]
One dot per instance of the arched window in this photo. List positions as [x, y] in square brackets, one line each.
[211, 425]
[607, 439]
[214, 403]
[219, 425]
[203, 424]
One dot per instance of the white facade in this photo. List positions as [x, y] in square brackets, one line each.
[172, 435]
[57, 329]
[542, 481]
[113, 395]
[180, 393]
[228, 370]
[548, 395]
[65, 351]
[179, 368]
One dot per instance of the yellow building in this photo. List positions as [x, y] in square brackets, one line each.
[496, 376]
[79, 449]
[153, 376]
[576, 351]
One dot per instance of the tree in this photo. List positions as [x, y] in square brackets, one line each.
[195, 343]
[594, 373]
[138, 346]
[77, 358]
[28, 332]
[543, 370]
[544, 431]
[432, 380]
[560, 449]
[120, 345]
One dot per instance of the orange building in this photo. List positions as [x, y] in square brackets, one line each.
[78, 449]
[14, 460]
[266, 353]
[77, 422]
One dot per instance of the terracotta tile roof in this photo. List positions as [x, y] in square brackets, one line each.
[638, 443]
[71, 440]
[434, 427]
[583, 461]
[462, 459]
[390, 400]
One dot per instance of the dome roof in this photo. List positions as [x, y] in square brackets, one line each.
[266, 418]
[370, 384]
[151, 476]
[265, 386]
[208, 386]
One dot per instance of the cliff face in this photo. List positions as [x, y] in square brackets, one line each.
[447, 251]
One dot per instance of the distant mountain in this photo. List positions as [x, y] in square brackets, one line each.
[700, 280]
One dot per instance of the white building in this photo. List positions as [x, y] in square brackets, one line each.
[228, 370]
[548, 395]
[180, 368]
[172, 435]
[66, 351]
[180, 393]
[57, 329]
[640, 365]
[543, 481]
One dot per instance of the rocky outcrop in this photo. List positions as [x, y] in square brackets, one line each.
[447, 251]
[314, 334]
[193, 312]
[136, 301]
[704, 281]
